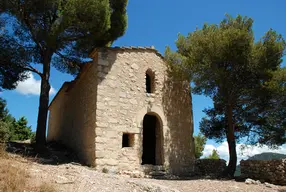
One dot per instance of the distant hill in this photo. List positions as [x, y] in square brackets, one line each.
[267, 156]
[261, 156]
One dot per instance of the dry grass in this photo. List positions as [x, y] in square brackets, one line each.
[46, 188]
[15, 179]
[3, 153]
[12, 179]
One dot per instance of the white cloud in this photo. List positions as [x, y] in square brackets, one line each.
[31, 86]
[245, 153]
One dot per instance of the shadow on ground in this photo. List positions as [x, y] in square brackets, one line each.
[52, 154]
[176, 178]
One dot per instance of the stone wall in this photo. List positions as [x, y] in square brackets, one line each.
[72, 115]
[109, 99]
[209, 167]
[273, 171]
[122, 103]
[56, 108]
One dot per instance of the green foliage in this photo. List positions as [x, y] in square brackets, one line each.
[200, 142]
[10, 73]
[4, 122]
[4, 131]
[3, 110]
[20, 131]
[225, 63]
[10, 129]
[272, 118]
[214, 155]
[58, 33]
[33, 137]
[68, 29]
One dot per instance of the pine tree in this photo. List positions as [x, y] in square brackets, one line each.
[20, 131]
[56, 33]
[224, 63]
[214, 155]
[200, 142]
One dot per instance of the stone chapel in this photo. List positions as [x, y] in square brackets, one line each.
[124, 113]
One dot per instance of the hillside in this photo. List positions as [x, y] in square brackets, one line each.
[267, 156]
[38, 177]
[22, 170]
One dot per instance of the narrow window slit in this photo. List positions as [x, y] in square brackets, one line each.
[150, 81]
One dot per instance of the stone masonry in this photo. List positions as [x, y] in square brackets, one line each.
[210, 167]
[273, 171]
[105, 111]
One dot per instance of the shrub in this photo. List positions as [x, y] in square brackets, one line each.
[33, 137]
[214, 155]
[20, 131]
[4, 131]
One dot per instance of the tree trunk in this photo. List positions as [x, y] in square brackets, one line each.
[44, 102]
[231, 144]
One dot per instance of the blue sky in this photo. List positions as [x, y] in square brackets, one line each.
[158, 23]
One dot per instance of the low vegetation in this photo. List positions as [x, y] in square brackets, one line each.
[12, 129]
[46, 188]
[200, 142]
[12, 179]
[214, 155]
[15, 179]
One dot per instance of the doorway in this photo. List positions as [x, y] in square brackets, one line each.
[152, 140]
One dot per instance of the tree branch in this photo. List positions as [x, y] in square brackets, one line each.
[32, 69]
[70, 62]
[27, 22]
[64, 57]
[72, 38]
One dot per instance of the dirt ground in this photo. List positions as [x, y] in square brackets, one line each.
[71, 177]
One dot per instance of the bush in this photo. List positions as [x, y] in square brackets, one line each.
[214, 155]
[4, 132]
[33, 137]
[200, 142]
[20, 131]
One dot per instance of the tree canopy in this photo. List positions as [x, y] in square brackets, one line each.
[200, 142]
[10, 128]
[225, 63]
[214, 155]
[20, 130]
[10, 72]
[55, 33]
[272, 118]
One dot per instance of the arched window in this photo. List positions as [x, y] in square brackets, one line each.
[150, 81]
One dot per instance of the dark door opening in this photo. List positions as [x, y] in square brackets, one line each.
[151, 141]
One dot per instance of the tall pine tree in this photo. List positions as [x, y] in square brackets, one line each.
[57, 33]
[224, 63]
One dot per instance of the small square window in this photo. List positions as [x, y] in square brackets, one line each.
[127, 140]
